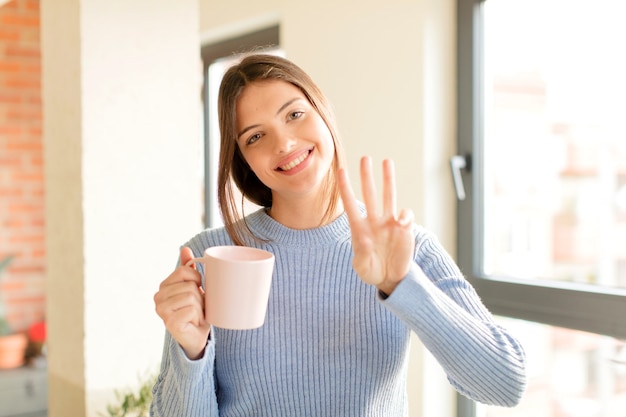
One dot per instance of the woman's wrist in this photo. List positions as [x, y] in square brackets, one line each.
[386, 288]
[195, 353]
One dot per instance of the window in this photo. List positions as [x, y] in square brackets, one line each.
[216, 57]
[542, 228]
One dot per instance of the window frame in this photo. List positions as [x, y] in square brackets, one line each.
[589, 308]
[583, 307]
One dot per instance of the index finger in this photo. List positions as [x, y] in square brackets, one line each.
[347, 196]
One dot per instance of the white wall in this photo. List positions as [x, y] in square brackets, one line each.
[389, 69]
[123, 154]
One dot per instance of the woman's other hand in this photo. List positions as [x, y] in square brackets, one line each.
[383, 243]
[180, 304]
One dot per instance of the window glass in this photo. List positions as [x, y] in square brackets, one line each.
[570, 374]
[554, 142]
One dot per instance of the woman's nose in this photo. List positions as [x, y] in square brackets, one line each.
[284, 142]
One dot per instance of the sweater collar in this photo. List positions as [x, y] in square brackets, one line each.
[265, 227]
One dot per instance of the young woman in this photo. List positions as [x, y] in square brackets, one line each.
[351, 279]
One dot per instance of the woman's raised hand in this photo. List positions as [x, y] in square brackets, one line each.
[180, 304]
[383, 243]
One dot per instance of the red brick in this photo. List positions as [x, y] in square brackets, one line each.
[34, 99]
[31, 5]
[38, 223]
[9, 161]
[10, 191]
[27, 269]
[22, 218]
[12, 285]
[24, 145]
[9, 35]
[38, 192]
[10, 97]
[28, 177]
[13, 223]
[22, 113]
[22, 51]
[32, 68]
[10, 130]
[37, 160]
[19, 20]
[16, 208]
[23, 83]
[7, 66]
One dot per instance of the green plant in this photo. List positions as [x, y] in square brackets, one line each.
[130, 403]
[5, 263]
[5, 329]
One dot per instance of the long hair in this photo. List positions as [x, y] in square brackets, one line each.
[252, 68]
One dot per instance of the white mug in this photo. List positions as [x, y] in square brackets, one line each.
[237, 282]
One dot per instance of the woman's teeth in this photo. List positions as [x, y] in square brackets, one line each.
[294, 163]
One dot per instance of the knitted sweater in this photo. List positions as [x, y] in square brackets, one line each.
[331, 345]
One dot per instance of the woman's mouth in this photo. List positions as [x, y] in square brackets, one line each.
[295, 162]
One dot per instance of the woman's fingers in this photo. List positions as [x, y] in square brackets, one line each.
[186, 255]
[180, 289]
[368, 187]
[179, 296]
[389, 189]
[183, 317]
[182, 274]
[382, 242]
[180, 304]
[406, 217]
[347, 196]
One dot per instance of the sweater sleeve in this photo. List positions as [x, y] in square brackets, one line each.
[482, 360]
[185, 387]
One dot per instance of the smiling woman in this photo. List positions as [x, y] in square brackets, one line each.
[351, 280]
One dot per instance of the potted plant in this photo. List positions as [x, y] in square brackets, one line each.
[12, 344]
[133, 404]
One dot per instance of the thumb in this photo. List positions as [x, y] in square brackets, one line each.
[186, 255]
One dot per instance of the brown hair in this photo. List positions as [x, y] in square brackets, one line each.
[253, 68]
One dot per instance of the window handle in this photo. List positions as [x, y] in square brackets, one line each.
[460, 163]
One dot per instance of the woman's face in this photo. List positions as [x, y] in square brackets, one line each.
[283, 139]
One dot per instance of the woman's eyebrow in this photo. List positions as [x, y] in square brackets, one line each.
[240, 134]
[280, 109]
[287, 104]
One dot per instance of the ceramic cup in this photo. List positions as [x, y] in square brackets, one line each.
[237, 285]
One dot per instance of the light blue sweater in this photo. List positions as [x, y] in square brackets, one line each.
[331, 345]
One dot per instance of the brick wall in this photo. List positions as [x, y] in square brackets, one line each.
[22, 287]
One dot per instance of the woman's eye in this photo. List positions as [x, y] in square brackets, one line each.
[295, 115]
[253, 139]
